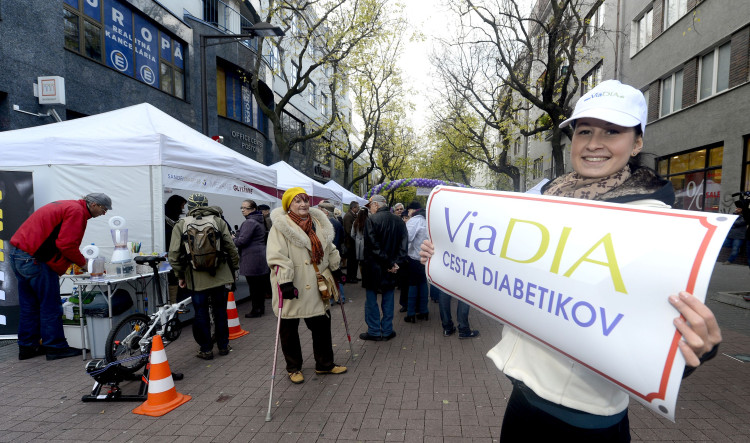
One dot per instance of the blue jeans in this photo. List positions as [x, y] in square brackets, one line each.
[376, 325]
[736, 244]
[40, 314]
[217, 298]
[462, 312]
[418, 297]
[342, 299]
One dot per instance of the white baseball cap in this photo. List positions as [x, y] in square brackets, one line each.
[612, 102]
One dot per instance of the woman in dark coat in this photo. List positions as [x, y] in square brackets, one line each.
[250, 241]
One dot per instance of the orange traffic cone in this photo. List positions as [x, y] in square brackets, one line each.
[233, 319]
[162, 395]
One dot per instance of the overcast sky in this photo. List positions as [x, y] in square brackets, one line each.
[430, 17]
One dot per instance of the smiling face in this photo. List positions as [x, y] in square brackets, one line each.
[300, 205]
[600, 149]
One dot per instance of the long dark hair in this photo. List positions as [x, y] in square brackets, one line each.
[636, 161]
[359, 223]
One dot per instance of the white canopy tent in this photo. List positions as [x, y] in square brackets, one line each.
[345, 193]
[139, 156]
[288, 177]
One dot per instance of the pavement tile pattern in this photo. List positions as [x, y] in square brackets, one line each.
[418, 387]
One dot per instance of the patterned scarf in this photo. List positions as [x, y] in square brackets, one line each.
[575, 186]
[307, 225]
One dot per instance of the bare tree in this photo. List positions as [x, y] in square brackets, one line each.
[477, 119]
[377, 90]
[532, 56]
[320, 36]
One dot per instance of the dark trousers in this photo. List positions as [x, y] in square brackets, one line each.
[217, 299]
[320, 327]
[258, 285]
[351, 263]
[523, 422]
[40, 313]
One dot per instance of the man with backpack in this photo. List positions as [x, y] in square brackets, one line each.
[204, 259]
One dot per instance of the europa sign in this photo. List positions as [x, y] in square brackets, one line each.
[590, 280]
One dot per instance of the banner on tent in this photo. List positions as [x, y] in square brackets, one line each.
[16, 205]
[588, 279]
[202, 182]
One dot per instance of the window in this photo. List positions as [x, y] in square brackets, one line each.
[312, 98]
[696, 177]
[323, 104]
[593, 78]
[235, 99]
[673, 10]
[643, 27]
[294, 28]
[671, 93]
[295, 72]
[274, 59]
[516, 146]
[714, 71]
[538, 167]
[111, 34]
[596, 22]
[292, 128]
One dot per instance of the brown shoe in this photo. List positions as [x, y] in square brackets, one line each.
[334, 370]
[296, 377]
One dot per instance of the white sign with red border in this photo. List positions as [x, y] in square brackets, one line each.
[588, 279]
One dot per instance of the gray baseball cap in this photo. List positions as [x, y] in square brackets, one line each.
[99, 199]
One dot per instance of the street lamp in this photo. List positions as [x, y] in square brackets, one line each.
[260, 29]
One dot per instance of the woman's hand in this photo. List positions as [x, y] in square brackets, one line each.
[699, 329]
[427, 249]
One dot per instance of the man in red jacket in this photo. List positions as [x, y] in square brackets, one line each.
[45, 245]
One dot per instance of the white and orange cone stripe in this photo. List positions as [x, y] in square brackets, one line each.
[162, 394]
[233, 319]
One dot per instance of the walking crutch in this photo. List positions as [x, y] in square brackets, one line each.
[275, 347]
[346, 326]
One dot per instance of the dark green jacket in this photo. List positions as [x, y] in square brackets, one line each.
[202, 280]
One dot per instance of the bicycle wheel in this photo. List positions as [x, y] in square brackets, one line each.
[123, 343]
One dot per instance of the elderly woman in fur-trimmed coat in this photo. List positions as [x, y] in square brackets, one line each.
[300, 236]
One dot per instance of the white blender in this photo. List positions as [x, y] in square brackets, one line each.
[121, 259]
[95, 263]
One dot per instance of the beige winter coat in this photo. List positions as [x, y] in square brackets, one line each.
[288, 254]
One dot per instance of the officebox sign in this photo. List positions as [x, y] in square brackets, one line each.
[588, 279]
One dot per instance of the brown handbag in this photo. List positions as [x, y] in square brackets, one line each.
[325, 294]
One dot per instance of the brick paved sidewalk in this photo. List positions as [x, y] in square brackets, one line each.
[419, 386]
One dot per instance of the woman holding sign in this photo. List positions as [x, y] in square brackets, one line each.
[554, 397]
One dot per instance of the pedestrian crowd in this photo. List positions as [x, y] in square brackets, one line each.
[307, 254]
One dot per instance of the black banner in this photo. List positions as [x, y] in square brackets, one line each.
[16, 205]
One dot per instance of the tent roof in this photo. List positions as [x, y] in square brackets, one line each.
[288, 177]
[140, 135]
[348, 195]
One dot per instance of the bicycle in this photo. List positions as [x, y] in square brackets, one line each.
[129, 343]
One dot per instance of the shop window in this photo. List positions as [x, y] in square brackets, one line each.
[696, 176]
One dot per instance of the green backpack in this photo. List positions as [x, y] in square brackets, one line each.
[202, 240]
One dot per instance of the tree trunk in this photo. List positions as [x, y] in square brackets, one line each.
[558, 152]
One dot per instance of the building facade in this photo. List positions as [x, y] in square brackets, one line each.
[693, 68]
[690, 59]
[117, 53]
